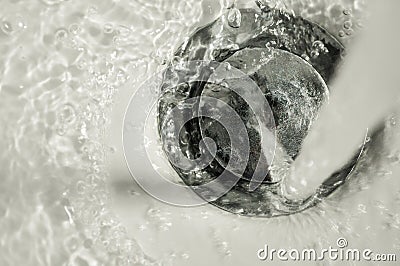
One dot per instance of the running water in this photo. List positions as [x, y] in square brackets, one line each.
[62, 65]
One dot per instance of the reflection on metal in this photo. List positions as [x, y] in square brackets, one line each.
[291, 60]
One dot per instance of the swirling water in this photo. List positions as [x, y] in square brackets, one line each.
[62, 64]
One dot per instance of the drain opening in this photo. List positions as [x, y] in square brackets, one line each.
[291, 60]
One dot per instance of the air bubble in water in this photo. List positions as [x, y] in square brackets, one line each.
[61, 130]
[234, 17]
[61, 34]
[92, 10]
[108, 28]
[318, 48]
[74, 29]
[11, 25]
[80, 187]
[347, 12]
[314, 54]
[72, 244]
[67, 114]
[6, 27]
[347, 24]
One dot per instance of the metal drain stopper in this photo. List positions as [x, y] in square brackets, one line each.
[290, 60]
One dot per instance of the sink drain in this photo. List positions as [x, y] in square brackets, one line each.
[291, 61]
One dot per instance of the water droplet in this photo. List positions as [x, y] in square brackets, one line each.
[234, 17]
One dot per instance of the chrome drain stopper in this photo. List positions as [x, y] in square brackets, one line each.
[290, 60]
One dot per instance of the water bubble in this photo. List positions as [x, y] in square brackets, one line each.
[318, 48]
[349, 32]
[234, 17]
[80, 187]
[92, 10]
[67, 114]
[13, 24]
[318, 45]
[314, 54]
[74, 29]
[72, 244]
[347, 24]
[6, 27]
[347, 12]
[61, 34]
[123, 31]
[341, 33]
[108, 28]
[61, 130]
